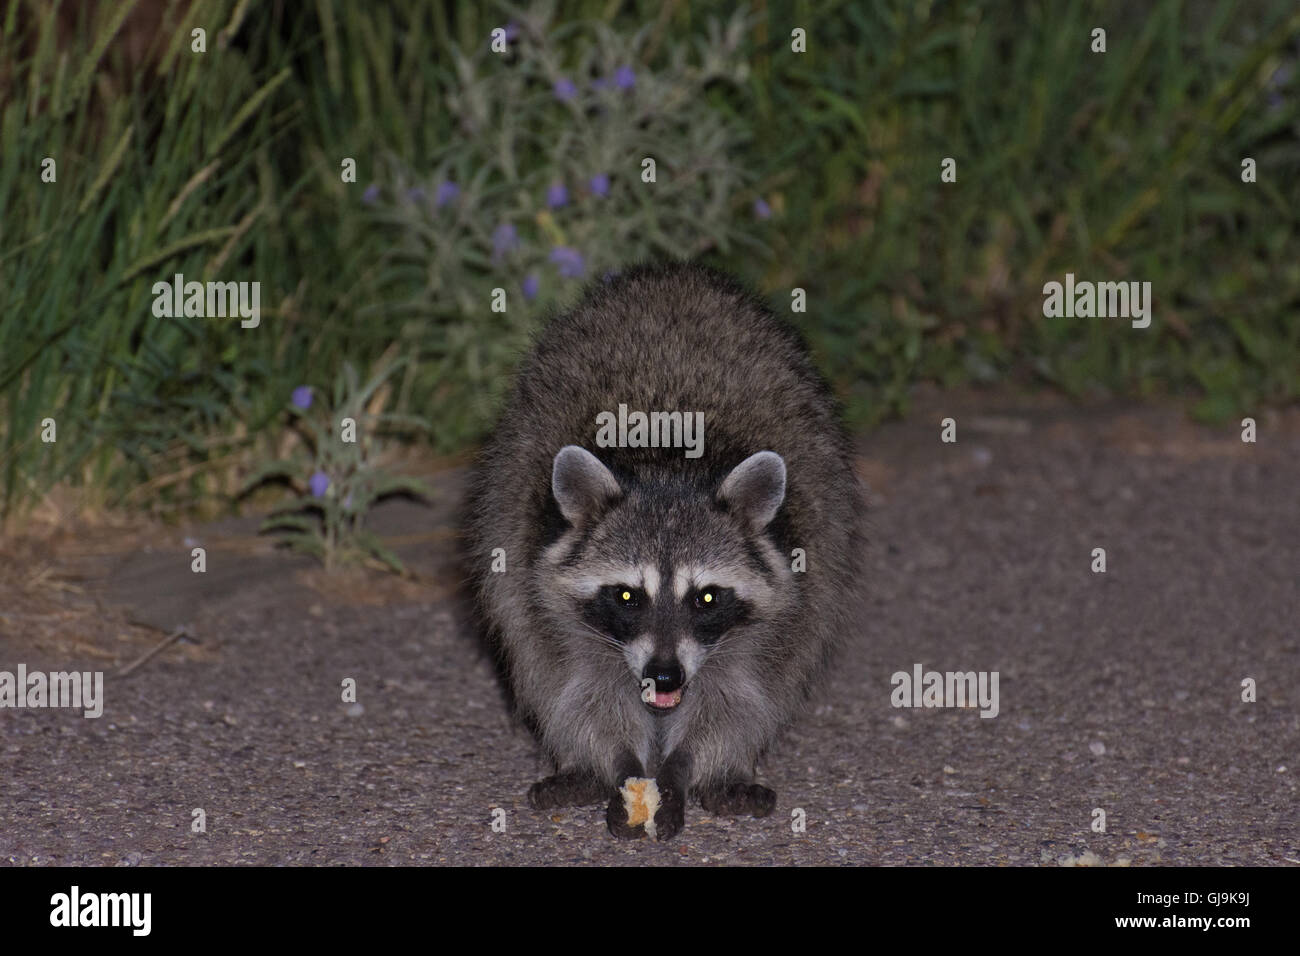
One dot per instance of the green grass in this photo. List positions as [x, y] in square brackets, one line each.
[1123, 165]
[226, 165]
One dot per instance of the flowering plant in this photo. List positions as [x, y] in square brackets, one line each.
[574, 158]
[335, 472]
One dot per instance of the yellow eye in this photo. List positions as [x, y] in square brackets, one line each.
[627, 595]
[708, 597]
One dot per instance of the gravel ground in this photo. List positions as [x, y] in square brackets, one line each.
[1119, 691]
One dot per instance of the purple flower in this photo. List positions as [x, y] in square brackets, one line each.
[302, 397]
[447, 191]
[370, 195]
[531, 285]
[568, 261]
[318, 483]
[761, 209]
[624, 78]
[557, 196]
[564, 89]
[1276, 82]
[504, 239]
[415, 195]
[599, 184]
[512, 31]
[600, 83]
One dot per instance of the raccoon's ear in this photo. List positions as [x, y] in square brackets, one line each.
[755, 488]
[582, 486]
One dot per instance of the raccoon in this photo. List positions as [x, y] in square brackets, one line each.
[668, 600]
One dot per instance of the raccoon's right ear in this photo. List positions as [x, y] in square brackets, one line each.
[583, 487]
[755, 488]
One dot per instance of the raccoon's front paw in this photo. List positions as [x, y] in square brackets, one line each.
[671, 815]
[568, 789]
[616, 820]
[739, 799]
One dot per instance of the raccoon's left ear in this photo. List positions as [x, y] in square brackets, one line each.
[582, 485]
[755, 488]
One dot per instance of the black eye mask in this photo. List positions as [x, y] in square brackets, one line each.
[711, 619]
[610, 613]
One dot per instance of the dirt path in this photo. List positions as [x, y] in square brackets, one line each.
[1119, 691]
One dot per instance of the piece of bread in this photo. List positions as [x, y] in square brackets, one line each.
[641, 800]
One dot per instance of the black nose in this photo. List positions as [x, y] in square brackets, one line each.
[667, 676]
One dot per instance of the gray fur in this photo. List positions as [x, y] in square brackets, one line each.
[671, 338]
[581, 484]
[755, 489]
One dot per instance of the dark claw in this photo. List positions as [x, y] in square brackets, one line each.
[671, 815]
[570, 789]
[739, 799]
[616, 820]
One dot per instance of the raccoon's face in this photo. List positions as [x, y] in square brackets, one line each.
[662, 576]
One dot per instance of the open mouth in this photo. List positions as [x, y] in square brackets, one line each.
[666, 701]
